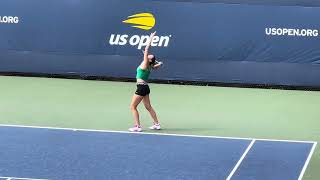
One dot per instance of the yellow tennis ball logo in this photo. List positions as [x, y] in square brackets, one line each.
[145, 21]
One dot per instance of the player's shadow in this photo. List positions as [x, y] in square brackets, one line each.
[186, 130]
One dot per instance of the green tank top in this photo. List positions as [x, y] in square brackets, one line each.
[143, 74]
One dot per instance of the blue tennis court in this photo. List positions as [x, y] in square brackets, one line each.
[65, 154]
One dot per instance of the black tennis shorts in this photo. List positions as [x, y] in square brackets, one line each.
[142, 90]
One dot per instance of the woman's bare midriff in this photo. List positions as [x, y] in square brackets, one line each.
[141, 81]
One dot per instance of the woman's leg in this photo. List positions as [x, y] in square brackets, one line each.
[147, 105]
[136, 99]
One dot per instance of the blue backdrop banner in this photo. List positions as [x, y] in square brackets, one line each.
[264, 42]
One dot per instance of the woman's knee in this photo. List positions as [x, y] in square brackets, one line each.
[133, 107]
[148, 107]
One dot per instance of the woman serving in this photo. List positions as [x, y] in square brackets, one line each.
[142, 93]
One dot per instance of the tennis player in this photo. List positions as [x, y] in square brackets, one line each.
[142, 93]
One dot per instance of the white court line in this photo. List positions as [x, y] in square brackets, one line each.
[241, 159]
[148, 133]
[16, 178]
[307, 161]
[179, 135]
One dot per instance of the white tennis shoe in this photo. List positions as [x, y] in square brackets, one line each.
[155, 127]
[135, 129]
